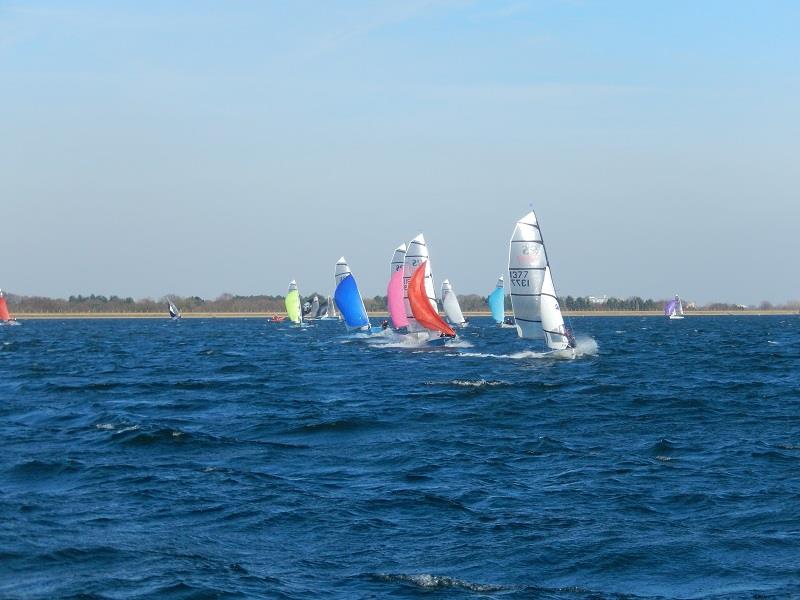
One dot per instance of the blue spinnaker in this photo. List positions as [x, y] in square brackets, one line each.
[348, 300]
[497, 301]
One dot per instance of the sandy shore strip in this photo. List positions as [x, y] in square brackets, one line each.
[377, 315]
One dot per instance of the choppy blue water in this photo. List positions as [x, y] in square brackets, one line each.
[232, 458]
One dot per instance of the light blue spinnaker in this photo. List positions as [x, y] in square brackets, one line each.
[497, 300]
[348, 299]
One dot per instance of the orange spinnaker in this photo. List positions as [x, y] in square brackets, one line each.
[4, 316]
[421, 307]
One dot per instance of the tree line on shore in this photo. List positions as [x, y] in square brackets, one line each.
[230, 303]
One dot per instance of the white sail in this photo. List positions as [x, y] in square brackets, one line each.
[332, 308]
[416, 254]
[342, 270]
[450, 303]
[555, 334]
[173, 310]
[398, 259]
[527, 261]
[680, 306]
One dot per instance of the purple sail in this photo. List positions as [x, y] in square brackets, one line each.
[671, 307]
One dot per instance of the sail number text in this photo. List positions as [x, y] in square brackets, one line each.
[519, 278]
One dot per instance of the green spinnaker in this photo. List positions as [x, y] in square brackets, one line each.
[293, 306]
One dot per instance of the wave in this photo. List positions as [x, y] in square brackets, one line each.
[472, 383]
[429, 582]
[338, 426]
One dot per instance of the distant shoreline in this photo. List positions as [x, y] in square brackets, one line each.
[267, 315]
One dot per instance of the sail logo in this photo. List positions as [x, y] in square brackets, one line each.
[529, 253]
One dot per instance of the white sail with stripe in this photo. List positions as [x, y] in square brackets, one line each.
[527, 261]
[417, 254]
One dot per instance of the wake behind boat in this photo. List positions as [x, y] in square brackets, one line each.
[537, 313]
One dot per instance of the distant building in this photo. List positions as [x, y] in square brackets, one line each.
[598, 299]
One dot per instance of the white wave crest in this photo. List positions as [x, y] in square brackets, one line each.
[427, 581]
[467, 383]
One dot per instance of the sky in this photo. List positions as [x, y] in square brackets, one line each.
[198, 148]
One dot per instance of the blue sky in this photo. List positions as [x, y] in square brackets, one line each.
[204, 147]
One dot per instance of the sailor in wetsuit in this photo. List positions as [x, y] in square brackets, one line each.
[570, 337]
[384, 325]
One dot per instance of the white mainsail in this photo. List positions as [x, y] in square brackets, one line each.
[174, 313]
[527, 261]
[416, 254]
[332, 308]
[451, 306]
[533, 295]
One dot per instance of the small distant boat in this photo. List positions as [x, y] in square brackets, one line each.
[422, 311]
[348, 298]
[174, 313]
[674, 308]
[533, 296]
[277, 319]
[5, 316]
[394, 291]
[312, 310]
[497, 302]
[293, 308]
[329, 311]
[452, 309]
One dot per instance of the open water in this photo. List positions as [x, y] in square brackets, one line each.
[233, 458]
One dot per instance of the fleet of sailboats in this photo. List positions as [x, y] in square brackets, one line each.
[413, 306]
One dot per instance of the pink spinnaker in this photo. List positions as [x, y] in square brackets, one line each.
[394, 298]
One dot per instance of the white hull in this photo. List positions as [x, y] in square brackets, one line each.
[675, 317]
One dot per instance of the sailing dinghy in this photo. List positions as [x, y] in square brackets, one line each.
[422, 311]
[537, 313]
[497, 301]
[348, 298]
[293, 308]
[174, 313]
[452, 309]
[5, 316]
[394, 291]
[329, 311]
[674, 308]
[313, 310]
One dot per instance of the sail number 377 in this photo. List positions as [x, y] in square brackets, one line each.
[519, 278]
